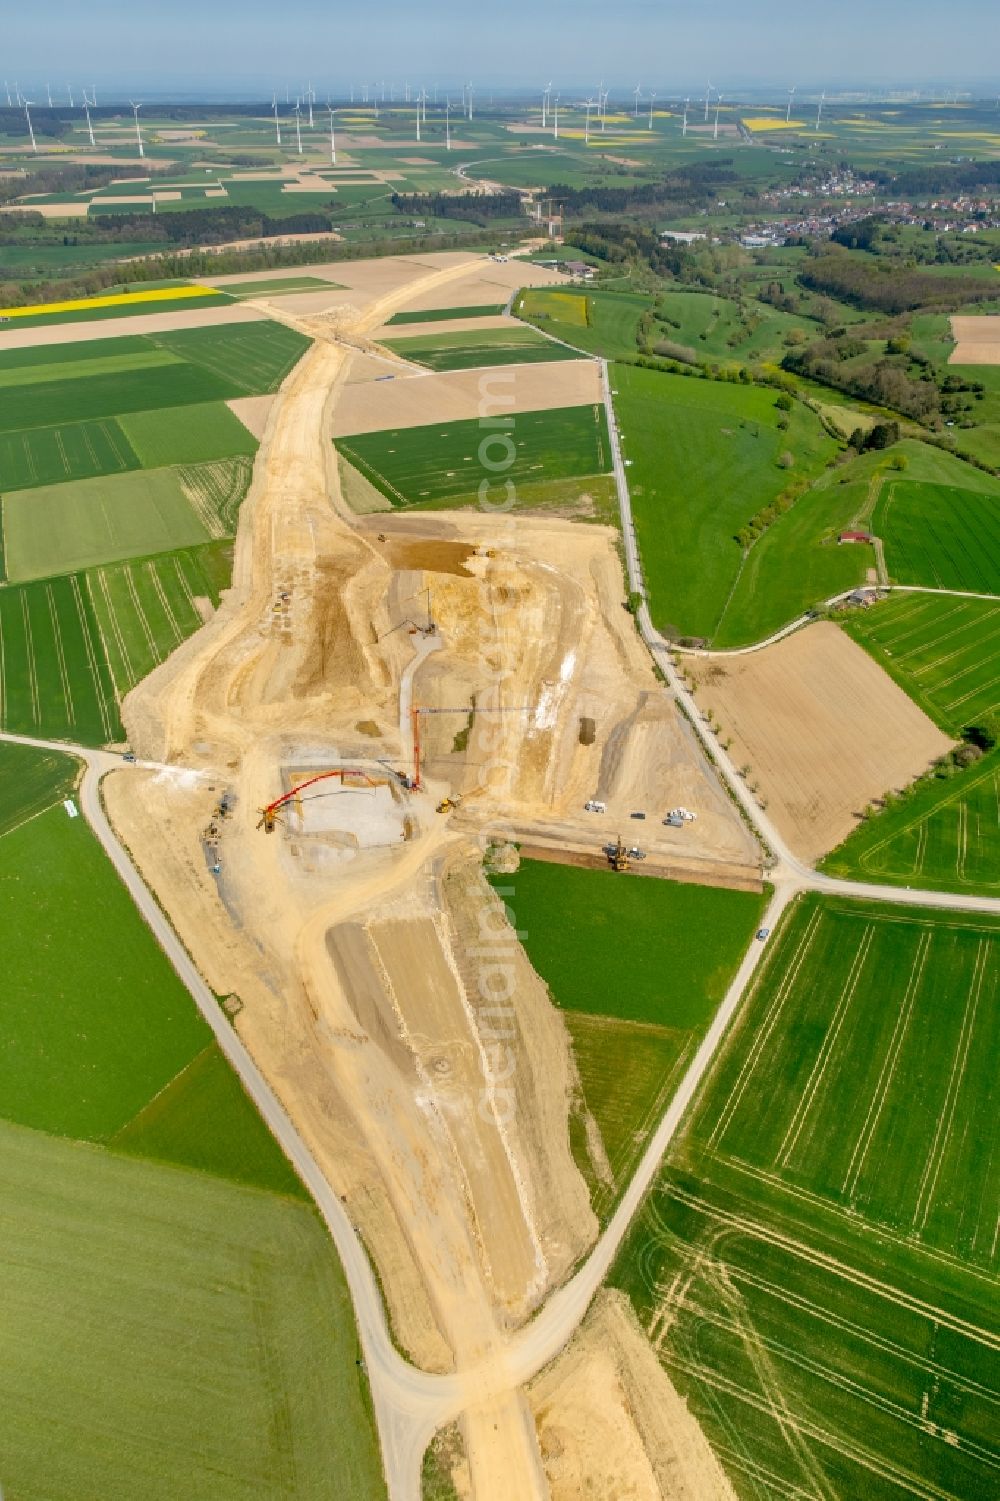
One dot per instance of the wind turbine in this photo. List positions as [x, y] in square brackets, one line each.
[7, 87]
[48, 90]
[718, 106]
[333, 139]
[469, 96]
[277, 122]
[418, 118]
[636, 91]
[819, 110]
[298, 126]
[545, 102]
[604, 111]
[31, 132]
[791, 99]
[86, 110]
[310, 96]
[708, 96]
[69, 90]
[17, 94]
[447, 124]
[555, 119]
[684, 127]
[586, 132]
[136, 107]
[652, 96]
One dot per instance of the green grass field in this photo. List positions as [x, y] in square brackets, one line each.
[74, 645]
[167, 1333]
[608, 328]
[202, 1119]
[704, 457]
[31, 781]
[442, 464]
[63, 528]
[639, 950]
[445, 314]
[255, 357]
[941, 536]
[516, 345]
[163, 1326]
[944, 836]
[187, 435]
[91, 1031]
[50, 386]
[814, 1261]
[637, 967]
[943, 650]
[75, 450]
[716, 328]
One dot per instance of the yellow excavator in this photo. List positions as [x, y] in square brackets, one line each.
[618, 857]
[456, 800]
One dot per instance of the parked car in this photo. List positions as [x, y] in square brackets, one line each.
[762, 933]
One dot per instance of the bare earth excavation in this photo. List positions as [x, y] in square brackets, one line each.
[479, 662]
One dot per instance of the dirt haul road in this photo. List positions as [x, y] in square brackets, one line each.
[435, 1107]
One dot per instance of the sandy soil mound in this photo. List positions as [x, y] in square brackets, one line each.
[612, 1426]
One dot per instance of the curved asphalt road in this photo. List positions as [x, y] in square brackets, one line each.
[411, 1404]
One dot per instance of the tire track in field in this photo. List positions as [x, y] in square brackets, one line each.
[763, 1037]
[823, 1260]
[819, 1067]
[863, 1145]
[939, 1145]
[67, 691]
[30, 659]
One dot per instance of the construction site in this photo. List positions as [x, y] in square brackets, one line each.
[379, 702]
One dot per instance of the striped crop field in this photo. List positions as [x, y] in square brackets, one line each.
[941, 536]
[71, 450]
[816, 1265]
[72, 647]
[942, 649]
[517, 345]
[944, 836]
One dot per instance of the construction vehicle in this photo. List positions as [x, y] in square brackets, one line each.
[456, 800]
[269, 816]
[618, 855]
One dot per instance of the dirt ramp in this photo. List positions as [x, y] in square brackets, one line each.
[611, 1424]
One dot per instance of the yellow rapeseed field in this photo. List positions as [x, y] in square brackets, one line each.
[765, 124]
[158, 294]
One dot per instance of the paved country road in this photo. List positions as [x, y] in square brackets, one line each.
[411, 1404]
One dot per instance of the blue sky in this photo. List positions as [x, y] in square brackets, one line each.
[250, 45]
